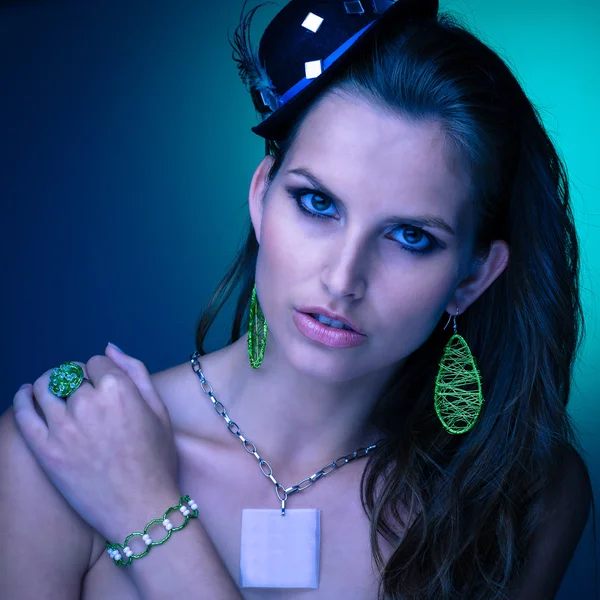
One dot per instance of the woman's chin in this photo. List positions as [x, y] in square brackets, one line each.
[324, 364]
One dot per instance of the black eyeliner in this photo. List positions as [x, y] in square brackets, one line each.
[297, 193]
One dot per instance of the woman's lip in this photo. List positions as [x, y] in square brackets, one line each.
[329, 336]
[318, 310]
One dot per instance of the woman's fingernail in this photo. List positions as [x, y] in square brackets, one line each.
[117, 347]
[23, 386]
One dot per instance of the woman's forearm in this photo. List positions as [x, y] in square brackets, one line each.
[187, 565]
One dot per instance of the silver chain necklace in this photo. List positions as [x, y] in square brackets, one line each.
[276, 552]
[281, 491]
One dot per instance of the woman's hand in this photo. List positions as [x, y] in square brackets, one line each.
[109, 447]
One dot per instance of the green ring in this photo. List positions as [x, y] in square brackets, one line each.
[65, 379]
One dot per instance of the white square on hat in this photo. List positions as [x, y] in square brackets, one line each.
[312, 69]
[312, 22]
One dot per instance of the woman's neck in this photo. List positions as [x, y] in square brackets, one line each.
[297, 422]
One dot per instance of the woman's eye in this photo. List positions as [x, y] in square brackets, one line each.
[312, 203]
[414, 239]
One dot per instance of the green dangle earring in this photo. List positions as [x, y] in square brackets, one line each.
[458, 397]
[257, 332]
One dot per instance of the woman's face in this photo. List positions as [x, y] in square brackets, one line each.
[339, 227]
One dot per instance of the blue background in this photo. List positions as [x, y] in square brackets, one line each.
[126, 156]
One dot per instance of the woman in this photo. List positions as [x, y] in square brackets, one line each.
[408, 185]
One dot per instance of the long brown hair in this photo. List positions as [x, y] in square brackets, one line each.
[473, 499]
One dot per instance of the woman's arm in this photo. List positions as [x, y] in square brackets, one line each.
[84, 447]
[46, 546]
[185, 566]
[567, 506]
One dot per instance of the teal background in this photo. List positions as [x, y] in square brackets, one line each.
[126, 156]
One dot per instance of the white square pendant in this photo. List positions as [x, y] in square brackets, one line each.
[280, 551]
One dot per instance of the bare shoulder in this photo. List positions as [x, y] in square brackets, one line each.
[568, 498]
[180, 389]
[566, 506]
[572, 482]
[174, 379]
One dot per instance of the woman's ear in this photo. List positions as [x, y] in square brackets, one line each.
[481, 277]
[256, 195]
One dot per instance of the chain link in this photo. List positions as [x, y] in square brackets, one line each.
[281, 491]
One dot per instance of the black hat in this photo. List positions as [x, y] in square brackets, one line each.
[308, 41]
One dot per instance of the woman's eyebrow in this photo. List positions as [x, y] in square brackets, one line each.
[434, 221]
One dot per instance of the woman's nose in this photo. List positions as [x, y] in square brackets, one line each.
[344, 274]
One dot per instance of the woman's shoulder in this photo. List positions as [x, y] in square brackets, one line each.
[570, 484]
[180, 389]
[566, 504]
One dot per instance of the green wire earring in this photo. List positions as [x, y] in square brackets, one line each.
[458, 397]
[257, 332]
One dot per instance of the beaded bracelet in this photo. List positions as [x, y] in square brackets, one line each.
[115, 550]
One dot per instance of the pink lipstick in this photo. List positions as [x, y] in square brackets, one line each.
[324, 334]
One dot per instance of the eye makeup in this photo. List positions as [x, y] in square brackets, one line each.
[298, 194]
